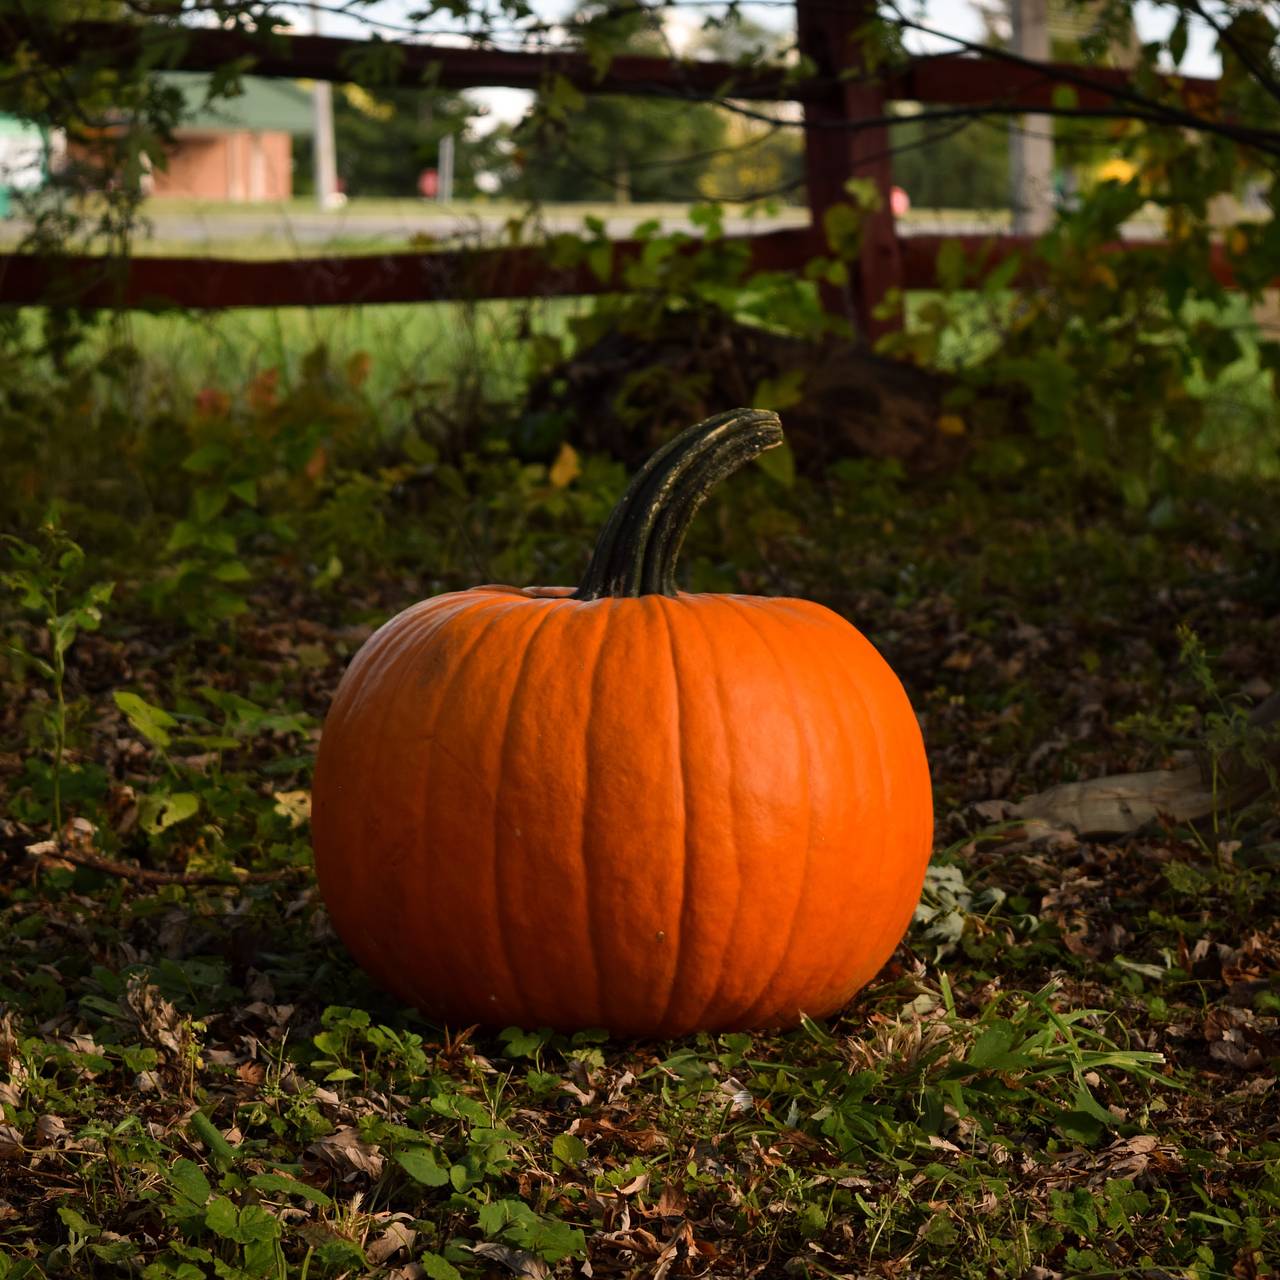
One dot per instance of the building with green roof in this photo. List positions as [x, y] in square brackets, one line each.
[234, 148]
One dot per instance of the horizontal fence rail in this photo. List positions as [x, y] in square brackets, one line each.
[952, 79]
[215, 284]
[846, 121]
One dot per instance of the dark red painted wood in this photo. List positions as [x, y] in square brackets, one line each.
[174, 47]
[948, 78]
[963, 80]
[828, 33]
[206, 284]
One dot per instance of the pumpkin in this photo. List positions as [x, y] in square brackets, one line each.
[623, 806]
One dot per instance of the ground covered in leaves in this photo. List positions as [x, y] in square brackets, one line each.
[1069, 1067]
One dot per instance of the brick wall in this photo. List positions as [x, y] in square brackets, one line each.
[237, 166]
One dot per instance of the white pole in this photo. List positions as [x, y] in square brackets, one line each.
[444, 191]
[1031, 137]
[324, 154]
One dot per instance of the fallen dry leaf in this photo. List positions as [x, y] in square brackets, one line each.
[348, 1156]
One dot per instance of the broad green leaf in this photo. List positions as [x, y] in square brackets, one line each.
[209, 503]
[159, 812]
[206, 458]
[952, 266]
[420, 1164]
[568, 1148]
[438, 1268]
[187, 1178]
[152, 722]
[992, 1047]
[779, 464]
[74, 1222]
[207, 1132]
[221, 1218]
[279, 1184]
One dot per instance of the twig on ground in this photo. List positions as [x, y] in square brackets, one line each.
[49, 849]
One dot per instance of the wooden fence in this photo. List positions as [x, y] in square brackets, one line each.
[846, 135]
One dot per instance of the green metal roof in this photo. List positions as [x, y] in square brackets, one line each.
[263, 105]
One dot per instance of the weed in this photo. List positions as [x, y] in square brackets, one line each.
[43, 576]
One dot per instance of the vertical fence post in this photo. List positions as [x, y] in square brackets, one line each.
[827, 33]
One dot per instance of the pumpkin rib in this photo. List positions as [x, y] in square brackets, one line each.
[685, 926]
[802, 636]
[887, 776]
[890, 858]
[923, 831]
[780, 965]
[867, 729]
[739, 938]
[542, 894]
[361, 876]
[489, 892]
[872, 730]
[501, 825]
[588, 755]
[735, 843]
[442, 935]
[584, 922]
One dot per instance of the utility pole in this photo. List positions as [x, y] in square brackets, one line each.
[1031, 137]
[324, 154]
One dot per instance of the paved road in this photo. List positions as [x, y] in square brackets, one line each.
[397, 228]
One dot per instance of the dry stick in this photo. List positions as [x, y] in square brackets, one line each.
[145, 875]
[1125, 802]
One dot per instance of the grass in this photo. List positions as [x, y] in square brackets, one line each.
[1068, 1067]
[404, 344]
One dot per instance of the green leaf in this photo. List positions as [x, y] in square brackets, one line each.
[160, 811]
[420, 1164]
[221, 1218]
[842, 225]
[218, 1146]
[438, 1268]
[497, 1215]
[779, 465]
[232, 571]
[206, 458]
[991, 1049]
[568, 1148]
[208, 504]
[189, 1181]
[519, 1043]
[152, 722]
[952, 265]
[279, 1184]
[74, 1222]
[600, 260]
[457, 1107]
[185, 534]
[257, 1225]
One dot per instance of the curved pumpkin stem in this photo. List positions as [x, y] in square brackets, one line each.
[636, 552]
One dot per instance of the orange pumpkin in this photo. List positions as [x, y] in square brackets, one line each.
[624, 806]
